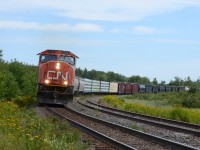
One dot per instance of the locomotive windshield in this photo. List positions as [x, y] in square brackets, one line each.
[69, 59]
[45, 58]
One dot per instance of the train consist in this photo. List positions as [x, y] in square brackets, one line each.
[87, 86]
[57, 82]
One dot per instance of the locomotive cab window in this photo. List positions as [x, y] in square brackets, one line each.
[45, 58]
[68, 59]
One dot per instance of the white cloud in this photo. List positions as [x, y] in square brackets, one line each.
[176, 41]
[87, 27]
[80, 27]
[109, 10]
[144, 30]
[116, 30]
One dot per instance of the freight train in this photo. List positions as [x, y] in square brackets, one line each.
[57, 82]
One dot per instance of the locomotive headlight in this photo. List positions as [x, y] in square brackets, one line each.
[46, 81]
[57, 65]
[65, 82]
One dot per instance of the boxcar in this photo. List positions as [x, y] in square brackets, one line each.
[141, 88]
[181, 88]
[168, 88]
[121, 88]
[113, 88]
[161, 88]
[155, 88]
[174, 88]
[135, 88]
[148, 88]
[128, 88]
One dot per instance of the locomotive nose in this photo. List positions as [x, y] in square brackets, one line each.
[56, 76]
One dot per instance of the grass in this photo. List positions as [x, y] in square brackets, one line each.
[175, 111]
[184, 99]
[22, 129]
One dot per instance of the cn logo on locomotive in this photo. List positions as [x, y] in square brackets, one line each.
[51, 75]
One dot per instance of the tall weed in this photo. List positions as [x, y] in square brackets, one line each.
[176, 112]
[22, 129]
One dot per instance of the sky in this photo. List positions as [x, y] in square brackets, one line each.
[149, 38]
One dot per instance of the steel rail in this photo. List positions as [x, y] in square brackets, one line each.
[170, 121]
[142, 135]
[145, 121]
[92, 132]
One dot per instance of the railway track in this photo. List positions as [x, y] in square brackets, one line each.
[103, 142]
[173, 125]
[118, 136]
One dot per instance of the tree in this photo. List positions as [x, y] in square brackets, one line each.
[18, 70]
[145, 80]
[176, 82]
[155, 82]
[138, 79]
[93, 74]
[1, 54]
[111, 76]
[102, 77]
[188, 81]
[162, 83]
[85, 73]
[8, 86]
[135, 79]
[28, 86]
[79, 72]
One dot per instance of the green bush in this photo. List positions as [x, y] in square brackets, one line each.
[179, 114]
[24, 101]
[114, 101]
[185, 99]
[176, 112]
[22, 129]
[191, 101]
[193, 89]
[8, 86]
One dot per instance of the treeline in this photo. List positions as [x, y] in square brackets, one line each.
[115, 77]
[17, 79]
[109, 76]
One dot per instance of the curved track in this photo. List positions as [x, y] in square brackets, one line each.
[173, 125]
[111, 143]
[132, 139]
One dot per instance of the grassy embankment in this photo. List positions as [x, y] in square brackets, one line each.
[165, 105]
[22, 129]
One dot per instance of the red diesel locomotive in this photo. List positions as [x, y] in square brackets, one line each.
[56, 76]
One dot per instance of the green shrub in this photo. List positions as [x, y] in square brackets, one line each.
[176, 112]
[185, 99]
[192, 101]
[180, 114]
[114, 101]
[22, 129]
[23, 101]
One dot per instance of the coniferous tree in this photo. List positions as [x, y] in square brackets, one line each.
[155, 82]
[1, 54]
